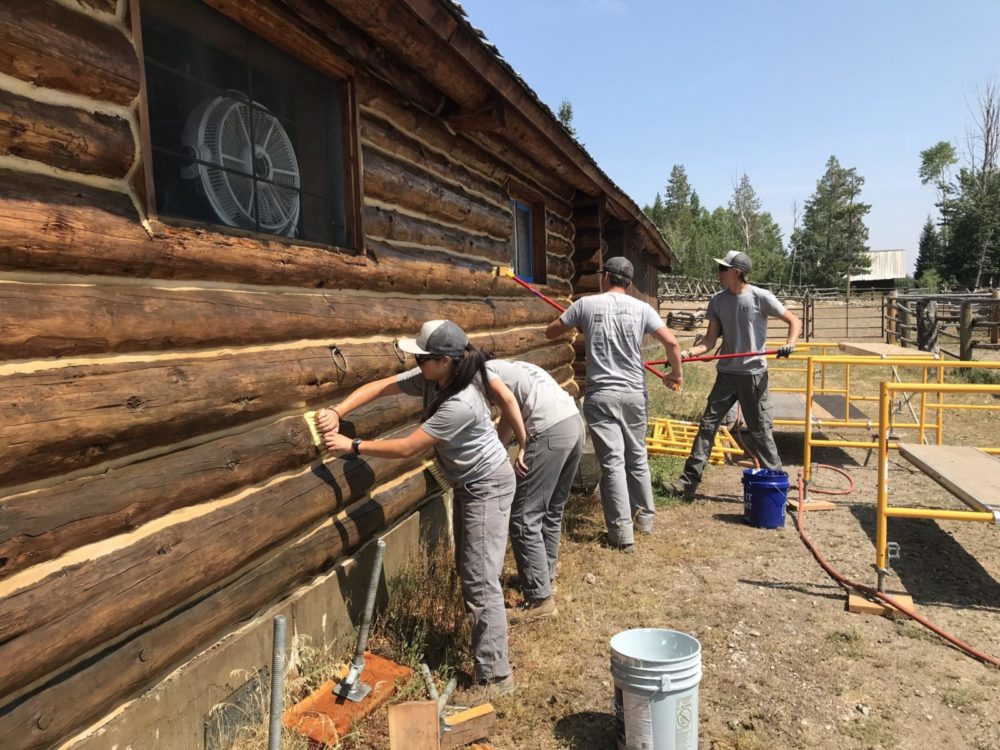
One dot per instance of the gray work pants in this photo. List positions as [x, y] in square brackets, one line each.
[553, 457]
[480, 518]
[751, 392]
[617, 422]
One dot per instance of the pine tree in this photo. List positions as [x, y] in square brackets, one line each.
[566, 116]
[679, 228]
[832, 243]
[759, 236]
[657, 213]
[929, 250]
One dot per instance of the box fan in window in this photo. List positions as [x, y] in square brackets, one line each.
[243, 153]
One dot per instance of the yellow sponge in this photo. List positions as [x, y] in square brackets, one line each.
[310, 418]
[505, 272]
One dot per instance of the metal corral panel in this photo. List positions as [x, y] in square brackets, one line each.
[886, 264]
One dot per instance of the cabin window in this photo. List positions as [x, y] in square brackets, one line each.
[242, 134]
[527, 241]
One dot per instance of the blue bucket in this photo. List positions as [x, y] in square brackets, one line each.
[764, 494]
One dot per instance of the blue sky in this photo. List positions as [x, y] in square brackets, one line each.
[767, 87]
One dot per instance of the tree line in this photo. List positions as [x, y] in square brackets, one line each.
[829, 240]
[962, 248]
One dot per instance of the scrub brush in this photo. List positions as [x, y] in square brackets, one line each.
[310, 418]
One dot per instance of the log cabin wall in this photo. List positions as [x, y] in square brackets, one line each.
[158, 487]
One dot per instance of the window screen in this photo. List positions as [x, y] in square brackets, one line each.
[242, 134]
[522, 252]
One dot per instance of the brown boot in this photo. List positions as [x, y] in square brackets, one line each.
[533, 610]
[677, 488]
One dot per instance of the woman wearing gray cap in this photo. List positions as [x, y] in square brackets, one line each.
[451, 377]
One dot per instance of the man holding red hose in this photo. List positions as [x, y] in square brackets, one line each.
[614, 325]
[739, 315]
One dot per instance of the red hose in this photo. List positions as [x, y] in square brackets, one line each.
[711, 357]
[867, 590]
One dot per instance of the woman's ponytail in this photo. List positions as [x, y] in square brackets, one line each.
[466, 368]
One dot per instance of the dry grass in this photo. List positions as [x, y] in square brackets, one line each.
[784, 665]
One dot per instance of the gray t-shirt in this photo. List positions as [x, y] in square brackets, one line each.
[743, 319]
[469, 448]
[614, 325]
[543, 403]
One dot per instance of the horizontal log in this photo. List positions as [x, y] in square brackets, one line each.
[282, 28]
[586, 242]
[491, 116]
[559, 266]
[398, 30]
[52, 46]
[556, 224]
[435, 271]
[53, 225]
[587, 217]
[63, 420]
[557, 245]
[65, 137]
[587, 284]
[517, 163]
[400, 184]
[58, 320]
[384, 136]
[379, 100]
[344, 35]
[75, 697]
[83, 606]
[42, 524]
[96, 600]
[393, 226]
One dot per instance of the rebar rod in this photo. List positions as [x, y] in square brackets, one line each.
[277, 684]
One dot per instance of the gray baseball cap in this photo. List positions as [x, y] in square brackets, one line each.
[440, 337]
[736, 259]
[619, 266]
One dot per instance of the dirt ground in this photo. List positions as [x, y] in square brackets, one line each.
[785, 666]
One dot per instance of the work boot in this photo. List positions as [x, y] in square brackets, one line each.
[625, 549]
[533, 609]
[488, 690]
[678, 488]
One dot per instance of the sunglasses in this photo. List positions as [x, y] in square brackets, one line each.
[421, 358]
[723, 268]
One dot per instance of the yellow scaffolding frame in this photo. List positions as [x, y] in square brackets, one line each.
[922, 424]
[885, 428]
[672, 437]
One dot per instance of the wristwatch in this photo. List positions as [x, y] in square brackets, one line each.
[356, 446]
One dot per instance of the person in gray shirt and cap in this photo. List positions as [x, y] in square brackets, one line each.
[555, 444]
[451, 378]
[614, 325]
[739, 315]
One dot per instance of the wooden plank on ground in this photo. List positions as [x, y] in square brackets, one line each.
[969, 474]
[787, 406]
[859, 605]
[468, 726]
[414, 725]
[833, 404]
[879, 349]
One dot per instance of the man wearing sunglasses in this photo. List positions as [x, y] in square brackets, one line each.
[739, 315]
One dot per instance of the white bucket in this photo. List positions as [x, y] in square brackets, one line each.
[656, 673]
